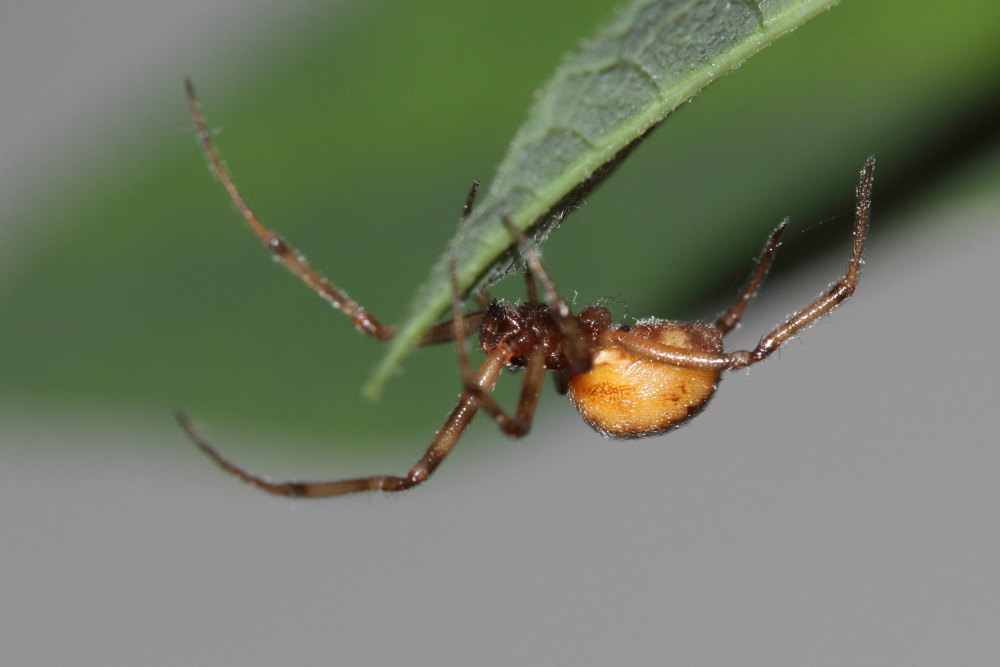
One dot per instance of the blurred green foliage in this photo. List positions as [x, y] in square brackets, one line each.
[357, 138]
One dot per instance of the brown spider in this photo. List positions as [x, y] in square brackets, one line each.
[626, 381]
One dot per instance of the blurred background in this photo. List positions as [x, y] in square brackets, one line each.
[835, 505]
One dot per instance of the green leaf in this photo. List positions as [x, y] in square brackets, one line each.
[601, 102]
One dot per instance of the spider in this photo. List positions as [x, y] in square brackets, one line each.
[627, 381]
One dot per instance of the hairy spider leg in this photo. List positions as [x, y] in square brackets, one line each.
[840, 290]
[457, 302]
[279, 248]
[520, 423]
[577, 350]
[837, 293]
[441, 445]
[293, 260]
[480, 383]
[364, 322]
[730, 319]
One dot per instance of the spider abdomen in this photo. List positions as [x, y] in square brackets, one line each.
[626, 396]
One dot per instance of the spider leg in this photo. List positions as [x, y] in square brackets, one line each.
[518, 424]
[458, 321]
[577, 350]
[458, 328]
[667, 354]
[280, 249]
[838, 292]
[442, 444]
[731, 318]
[461, 322]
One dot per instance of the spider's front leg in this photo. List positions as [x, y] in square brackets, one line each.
[519, 424]
[294, 261]
[575, 346]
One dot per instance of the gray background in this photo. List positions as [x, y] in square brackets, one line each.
[836, 505]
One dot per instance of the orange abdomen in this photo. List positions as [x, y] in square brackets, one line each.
[625, 396]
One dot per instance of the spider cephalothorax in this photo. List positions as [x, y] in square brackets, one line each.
[530, 325]
[626, 381]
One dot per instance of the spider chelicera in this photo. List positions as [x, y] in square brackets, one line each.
[627, 381]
